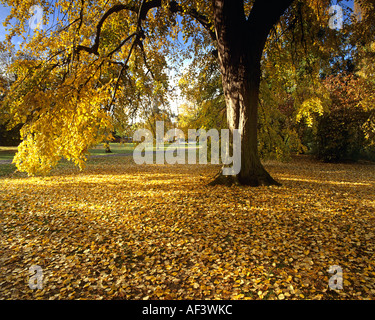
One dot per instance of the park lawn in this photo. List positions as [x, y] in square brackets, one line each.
[128, 148]
[123, 231]
[7, 169]
[116, 148]
[7, 153]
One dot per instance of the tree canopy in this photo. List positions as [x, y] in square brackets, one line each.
[100, 58]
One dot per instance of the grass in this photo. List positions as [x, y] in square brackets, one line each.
[7, 153]
[6, 169]
[97, 159]
[116, 148]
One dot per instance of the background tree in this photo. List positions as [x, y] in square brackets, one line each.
[202, 90]
[9, 134]
[341, 130]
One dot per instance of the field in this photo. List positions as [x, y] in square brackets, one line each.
[124, 231]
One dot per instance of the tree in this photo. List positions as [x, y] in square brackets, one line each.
[8, 137]
[240, 64]
[341, 130]
[68, 86]
[293, 96]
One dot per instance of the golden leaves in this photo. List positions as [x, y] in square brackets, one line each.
[66, 125]
[308, 107]
[158, 232]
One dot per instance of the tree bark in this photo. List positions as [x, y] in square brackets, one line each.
[240, 46]
[107, 148]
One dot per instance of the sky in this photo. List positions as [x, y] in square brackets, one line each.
[3, 14]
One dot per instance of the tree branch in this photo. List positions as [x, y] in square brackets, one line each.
[174, 7]
[142, 11]
[123, 68]
[140, 45]
[121, 44]
[265, 14]
[94, 48]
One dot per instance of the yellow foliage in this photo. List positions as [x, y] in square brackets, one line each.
[308, 108]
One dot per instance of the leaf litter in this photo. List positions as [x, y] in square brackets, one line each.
[123, 231]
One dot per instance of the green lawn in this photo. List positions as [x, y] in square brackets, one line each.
[7, 153]
[127, 148]
[116, 148]
[6, 169]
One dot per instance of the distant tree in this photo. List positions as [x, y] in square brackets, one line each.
[341, 131]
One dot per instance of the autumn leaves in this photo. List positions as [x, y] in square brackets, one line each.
[121, 230]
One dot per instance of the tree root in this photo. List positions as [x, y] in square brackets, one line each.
[256, 180]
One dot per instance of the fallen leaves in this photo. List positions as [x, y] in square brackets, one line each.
[121, 231]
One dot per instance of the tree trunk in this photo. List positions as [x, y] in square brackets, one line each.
[107, 148]
[241, 90]
[240, 46]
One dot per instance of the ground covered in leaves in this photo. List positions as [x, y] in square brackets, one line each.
[122, 231]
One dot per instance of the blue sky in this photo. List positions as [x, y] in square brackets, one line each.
[3, 14]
